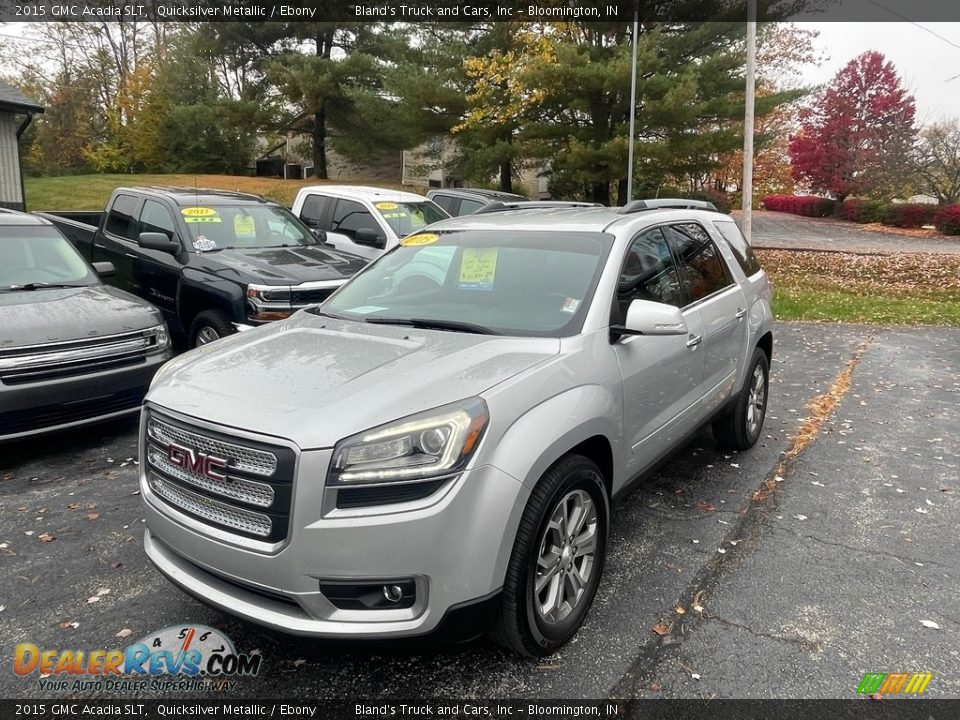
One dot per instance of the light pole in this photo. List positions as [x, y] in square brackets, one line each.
[633, 105]
[748, 120]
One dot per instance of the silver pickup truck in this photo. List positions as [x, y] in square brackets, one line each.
[411, 451]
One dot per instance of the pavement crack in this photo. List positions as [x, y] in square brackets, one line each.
[801, 642]
[854, 548]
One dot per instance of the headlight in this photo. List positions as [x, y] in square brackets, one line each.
[161, 337]
[429, 444]
[266, 303]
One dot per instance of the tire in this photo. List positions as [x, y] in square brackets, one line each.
[741, 427]
[208, 326]
[524, 624]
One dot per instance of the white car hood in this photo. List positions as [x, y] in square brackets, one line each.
[315, 380]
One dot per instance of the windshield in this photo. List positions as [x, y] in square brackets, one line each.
[407, 217]
[218, 227]
[37, 256]
[527, 283]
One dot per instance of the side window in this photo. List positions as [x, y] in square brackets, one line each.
[447, 202]
[351, 216]
[314, 206]
[120, 220]
[648, 273]
[468, 207]
[156, 218]
[738, 244]
[702, 270]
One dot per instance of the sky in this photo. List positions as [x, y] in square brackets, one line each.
[925, 62]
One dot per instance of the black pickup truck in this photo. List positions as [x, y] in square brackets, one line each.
[212, 261]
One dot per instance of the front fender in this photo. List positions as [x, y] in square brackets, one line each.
[202, 291]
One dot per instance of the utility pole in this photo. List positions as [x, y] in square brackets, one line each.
[633, 104]
[748, 120]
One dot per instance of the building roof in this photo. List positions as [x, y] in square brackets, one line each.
[13, 99]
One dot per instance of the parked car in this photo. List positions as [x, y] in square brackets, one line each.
[72, 351]
[437, 450]
[466, 201]
[213, 261]
[364, 220]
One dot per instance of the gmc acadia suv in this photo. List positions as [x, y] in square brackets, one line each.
[448, 429]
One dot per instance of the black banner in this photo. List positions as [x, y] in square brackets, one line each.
[476, 10]
[857, 709]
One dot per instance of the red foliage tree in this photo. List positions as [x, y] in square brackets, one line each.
[856, 137]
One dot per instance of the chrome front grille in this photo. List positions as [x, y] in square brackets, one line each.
[245, 459]
[49, 361]
[218, 513]
[230, 483]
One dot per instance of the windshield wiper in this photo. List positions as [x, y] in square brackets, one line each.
[41, 286]
[424, 324]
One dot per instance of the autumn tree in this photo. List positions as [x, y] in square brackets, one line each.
[856, 137]
[938, 161]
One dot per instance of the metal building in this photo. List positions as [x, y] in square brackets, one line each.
[16, 112]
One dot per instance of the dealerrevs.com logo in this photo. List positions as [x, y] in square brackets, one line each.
[177, 658]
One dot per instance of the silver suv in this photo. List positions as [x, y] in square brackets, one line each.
[447, 431]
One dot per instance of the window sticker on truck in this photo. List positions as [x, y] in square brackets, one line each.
[386, 206]
[188, 212]
[478, 268]
[244, 226]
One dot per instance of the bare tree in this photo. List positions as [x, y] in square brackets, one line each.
[938, 160]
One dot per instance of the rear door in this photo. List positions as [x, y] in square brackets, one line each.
[662, 375]
[709, 287]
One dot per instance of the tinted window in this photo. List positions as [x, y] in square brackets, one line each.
[156, 218]
[702, 271]
[120, 221]
[738, 244]
[648, 273]
[351, 216]
[447, 202]
[313, 209]
[468, 207]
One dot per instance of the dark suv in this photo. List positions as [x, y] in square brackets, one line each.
[466, 201]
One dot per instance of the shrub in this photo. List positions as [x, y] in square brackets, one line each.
[806, 205]
[947, 220]
[909, 215]
[862, 211]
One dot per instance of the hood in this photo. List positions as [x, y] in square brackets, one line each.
[283, 265]
[316, 380]
[31, 317]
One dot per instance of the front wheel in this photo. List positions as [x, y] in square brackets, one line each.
[209, 326]
[557, 559]
[740, 429]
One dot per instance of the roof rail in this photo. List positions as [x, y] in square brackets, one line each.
[666, 204]
[535, 204]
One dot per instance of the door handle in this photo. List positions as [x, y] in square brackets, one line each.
[131, 255]
[741, 313]
[100, 245]
[694, 341]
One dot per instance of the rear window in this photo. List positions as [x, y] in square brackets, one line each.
[738, 244]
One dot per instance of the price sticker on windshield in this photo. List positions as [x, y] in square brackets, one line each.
[420, 239]
[386, 206]
[244, 226]
[192, 212]
[478, 268]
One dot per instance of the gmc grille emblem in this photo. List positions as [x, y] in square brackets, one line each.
[198, 462]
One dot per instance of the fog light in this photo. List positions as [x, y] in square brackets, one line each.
[370, 595]
[393, 593]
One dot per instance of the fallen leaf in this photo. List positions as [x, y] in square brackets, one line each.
[2, 608]
[930, 624]
[705, 506]
[695, 542]
[126, 632]
[922, 511]
[94, 599]
[46, 537]
[73, 506]
[92, 516]
[734, 542]
[298, 662]
[103, 591]
[679, 610]
[28, 532]
[800, 517]
[69, 624]
[698, 608]
[661, 629]
[655, 687]
[695, 676]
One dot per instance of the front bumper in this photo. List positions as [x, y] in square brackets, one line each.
[48, 406]
[454, 546]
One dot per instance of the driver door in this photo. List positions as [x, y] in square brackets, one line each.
[662, 374]
[348, 217]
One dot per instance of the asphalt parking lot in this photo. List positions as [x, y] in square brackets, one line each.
[793, 579]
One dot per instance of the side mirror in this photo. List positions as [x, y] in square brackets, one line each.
[370, 237]
[652, 318]
[158, 241]
[104, 269]
[320, 235]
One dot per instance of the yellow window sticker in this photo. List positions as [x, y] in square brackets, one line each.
[420, 239]
[202, 219]
[478, 268]
[386, 206]
[244, 226]
[198, 212]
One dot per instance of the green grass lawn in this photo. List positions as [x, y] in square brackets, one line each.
[91, 192]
